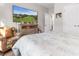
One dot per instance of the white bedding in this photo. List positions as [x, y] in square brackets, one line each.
[47, 44]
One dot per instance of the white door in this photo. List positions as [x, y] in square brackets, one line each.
[47, 22]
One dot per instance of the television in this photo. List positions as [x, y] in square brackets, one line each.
[24, 15]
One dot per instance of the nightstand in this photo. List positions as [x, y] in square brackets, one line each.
[7, 43]
[3, 43]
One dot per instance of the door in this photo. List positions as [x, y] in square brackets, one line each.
[47, 22]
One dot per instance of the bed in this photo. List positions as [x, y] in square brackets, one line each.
[47, 44]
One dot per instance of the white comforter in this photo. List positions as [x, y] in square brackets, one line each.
[47, 44]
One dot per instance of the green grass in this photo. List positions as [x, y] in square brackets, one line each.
[26, 19]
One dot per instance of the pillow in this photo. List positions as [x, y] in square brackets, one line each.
[2, 32]
[6, 32]
[14, 30]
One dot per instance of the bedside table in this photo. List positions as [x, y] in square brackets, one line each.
[7, 43]
[2, 43]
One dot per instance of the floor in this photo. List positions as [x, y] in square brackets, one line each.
[9, 53]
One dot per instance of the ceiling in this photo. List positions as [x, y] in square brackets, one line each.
[47, 5]
[51, 5]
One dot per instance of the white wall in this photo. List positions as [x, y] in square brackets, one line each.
[71, 18]
[58, 7]
[57, 22]
[6, 13]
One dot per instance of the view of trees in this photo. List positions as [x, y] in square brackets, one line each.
[32, 19]
[24, 15]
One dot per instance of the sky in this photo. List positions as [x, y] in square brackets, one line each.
[21, 10]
